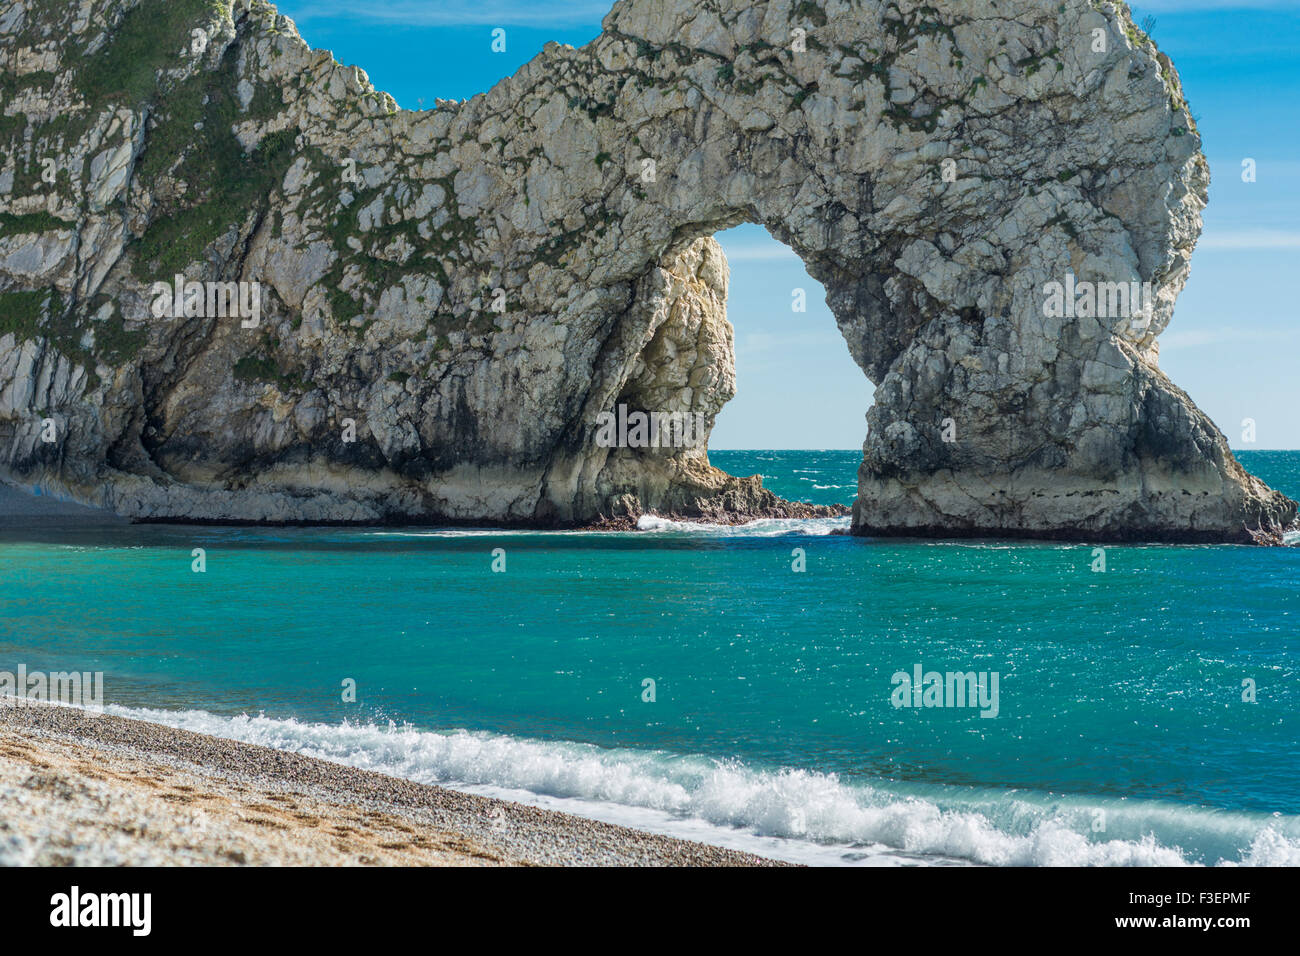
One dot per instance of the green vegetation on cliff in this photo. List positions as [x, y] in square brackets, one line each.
[155, 35]
[11, 225]
[195, 145]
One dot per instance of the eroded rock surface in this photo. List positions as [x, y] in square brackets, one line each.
[466, 289]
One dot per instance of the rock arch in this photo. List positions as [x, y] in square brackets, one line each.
[475, 284]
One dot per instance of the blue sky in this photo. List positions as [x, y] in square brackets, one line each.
[1235, 333]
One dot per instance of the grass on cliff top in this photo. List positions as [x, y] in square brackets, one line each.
[223, 183]
[153, 36]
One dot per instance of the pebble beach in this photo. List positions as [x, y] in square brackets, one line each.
[97, 790]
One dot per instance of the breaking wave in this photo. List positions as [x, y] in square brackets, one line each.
[792, 814]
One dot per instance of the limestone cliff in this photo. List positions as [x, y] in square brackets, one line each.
[447, 300]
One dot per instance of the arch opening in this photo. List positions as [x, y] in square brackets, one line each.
[725, 301]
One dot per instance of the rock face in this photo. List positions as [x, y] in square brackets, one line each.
[448, 300]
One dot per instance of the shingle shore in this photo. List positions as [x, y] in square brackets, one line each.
[96, 791]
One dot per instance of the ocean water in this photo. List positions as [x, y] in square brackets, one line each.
[1121, 734]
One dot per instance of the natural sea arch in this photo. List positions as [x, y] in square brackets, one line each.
[937, 210]
[472, 286]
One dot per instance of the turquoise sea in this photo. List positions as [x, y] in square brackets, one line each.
[1121, 734]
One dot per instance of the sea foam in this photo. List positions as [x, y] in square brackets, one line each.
[791, 814]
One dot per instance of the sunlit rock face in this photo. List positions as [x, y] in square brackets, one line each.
[432, 314]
